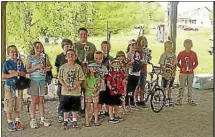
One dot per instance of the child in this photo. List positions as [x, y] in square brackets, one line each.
[106, 47]
[145, 53]
[37, 65]
[168, 64]
[133, 74]
[120, 55]
[92, 86]
[187, 62]
[70, 76]
[115, 83]
[13, 97]
[102, 72]
[60, 60]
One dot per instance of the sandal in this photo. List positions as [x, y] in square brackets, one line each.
[97, 124]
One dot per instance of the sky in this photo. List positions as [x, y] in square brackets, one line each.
[187, 6]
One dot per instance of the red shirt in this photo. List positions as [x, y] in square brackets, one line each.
[187, 61]
[116, 80]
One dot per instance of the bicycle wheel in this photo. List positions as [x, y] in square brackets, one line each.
[146, 91]
[157, 100]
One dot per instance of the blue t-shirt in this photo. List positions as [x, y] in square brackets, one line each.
[11, 65]
[37, 75]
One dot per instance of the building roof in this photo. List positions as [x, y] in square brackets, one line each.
[192, 14]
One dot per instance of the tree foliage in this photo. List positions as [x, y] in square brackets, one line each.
[29, 21]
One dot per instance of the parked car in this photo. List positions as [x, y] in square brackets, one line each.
[191, 29]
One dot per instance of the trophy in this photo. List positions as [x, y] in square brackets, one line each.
[43, 59]
[19, 63]
[96, 87]
[99, 71]
[187, 60]
[86, 50]
[71, 77]
[114, 88]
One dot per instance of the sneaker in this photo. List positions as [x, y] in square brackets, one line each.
[45, 122]
[106, 114]
[60, 119]
[11, 126]
[143, 105]
[179, 102]
[167, 102]
[70, 119]
[119, 118]
[193, 103]
[19, 125]
[133, 107]
[33, 123]
[75, 124]
[171, 103]
[138, 103]
[102, 112]
[65, 125]
[113, 121]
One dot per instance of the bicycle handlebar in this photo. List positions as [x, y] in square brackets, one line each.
[156, 69]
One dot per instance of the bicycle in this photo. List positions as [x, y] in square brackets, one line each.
[153, 89]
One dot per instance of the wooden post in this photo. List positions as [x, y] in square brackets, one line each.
[3, 40]
[3, 30]
[173, 23]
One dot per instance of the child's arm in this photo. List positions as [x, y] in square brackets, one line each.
[161, 61]
[10, 75]
[178, 60]
[49, 66]
[30, 69]
[7, 73]
[195, 61]
[86, 87]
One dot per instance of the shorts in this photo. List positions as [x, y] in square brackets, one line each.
[70, 103]
[132, 83]
[91, 99]
[142, 80]
[37, 90]
[11, 101]
[103, 97]
[165, 82]
[115, 100]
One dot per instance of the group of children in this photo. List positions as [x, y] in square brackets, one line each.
[116, 83]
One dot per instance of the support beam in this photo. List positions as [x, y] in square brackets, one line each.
[3, 31]
[173, 22]
[3, 41]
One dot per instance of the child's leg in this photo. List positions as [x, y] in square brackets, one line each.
[182, 80]
[142, 86]
[18, 109]
[116, 111]
[34, 102]
[65, 116]
[169, 94]
[95, 111]
[111, 112]
[190, 78]
[42, 112]
[136, 92]
[87, 111]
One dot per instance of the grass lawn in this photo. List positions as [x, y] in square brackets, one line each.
[119, 42]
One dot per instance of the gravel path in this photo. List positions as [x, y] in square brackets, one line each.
[180, 121]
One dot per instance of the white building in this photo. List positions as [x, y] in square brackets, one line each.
[199, 17]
